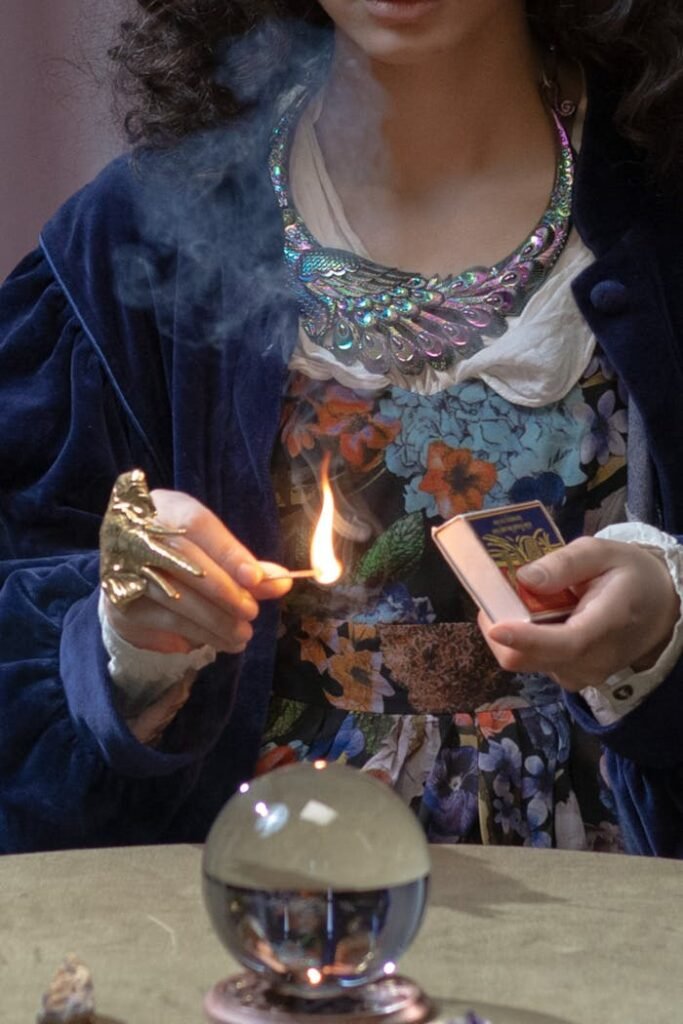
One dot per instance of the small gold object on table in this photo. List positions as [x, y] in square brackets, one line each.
[70, 999]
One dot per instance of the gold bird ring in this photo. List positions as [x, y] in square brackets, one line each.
[131, 546]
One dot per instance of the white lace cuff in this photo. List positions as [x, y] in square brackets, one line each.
[625, 690]
[140, 676]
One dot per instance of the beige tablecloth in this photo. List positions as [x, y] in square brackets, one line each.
[523, 936]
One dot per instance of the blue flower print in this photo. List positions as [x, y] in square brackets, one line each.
[606, 431]
[395, 604]
[519, 441]
[600, 364]
[509, 816]
[539, 779]
[537, 786]
[536, 688]
[504, 760]
[546, 487]
[549, 732]
[346, 744]
[537, 821]
[422, 418]
[450, 794]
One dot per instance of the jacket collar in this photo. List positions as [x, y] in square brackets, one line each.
[611, 179]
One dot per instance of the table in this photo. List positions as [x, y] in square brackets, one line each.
[541, 937]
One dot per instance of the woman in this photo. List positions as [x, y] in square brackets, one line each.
[160, 327]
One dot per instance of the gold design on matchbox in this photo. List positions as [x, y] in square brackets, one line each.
[486, 549]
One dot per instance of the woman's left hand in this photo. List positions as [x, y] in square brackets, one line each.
[626, 613]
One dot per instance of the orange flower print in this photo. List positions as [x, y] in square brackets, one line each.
[362, 435]
[299, 413]
[299, 433]
[319, 638]
[358, 674]
[457, 481]
[299, 437]
[275, 757]
[493, 722]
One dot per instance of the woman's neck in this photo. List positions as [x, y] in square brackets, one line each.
[446, 163]
[411, 127]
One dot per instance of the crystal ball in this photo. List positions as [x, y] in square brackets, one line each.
[315, 877]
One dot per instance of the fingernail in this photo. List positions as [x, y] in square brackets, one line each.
[532, 574]
[502, 636]
[249, 574]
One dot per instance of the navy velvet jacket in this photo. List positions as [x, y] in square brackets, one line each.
[152, 328]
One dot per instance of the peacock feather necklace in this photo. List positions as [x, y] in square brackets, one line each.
[389, 319]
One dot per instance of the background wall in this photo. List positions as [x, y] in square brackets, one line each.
[56, 125]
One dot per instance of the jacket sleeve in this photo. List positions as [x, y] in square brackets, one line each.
[70, 771]
[644, 763]
[641, 266]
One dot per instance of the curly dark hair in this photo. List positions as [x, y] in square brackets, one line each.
[182, 66]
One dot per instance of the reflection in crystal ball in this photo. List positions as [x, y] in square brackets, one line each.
[316, 877]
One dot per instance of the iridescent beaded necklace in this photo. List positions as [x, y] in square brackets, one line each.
[386, 318]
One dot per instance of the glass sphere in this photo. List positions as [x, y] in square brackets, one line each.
[315, 876]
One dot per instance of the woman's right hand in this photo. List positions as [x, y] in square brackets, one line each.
[216, 608]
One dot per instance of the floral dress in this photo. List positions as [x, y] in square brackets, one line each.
[387, 670]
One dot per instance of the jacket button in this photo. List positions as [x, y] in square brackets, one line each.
[609, 297]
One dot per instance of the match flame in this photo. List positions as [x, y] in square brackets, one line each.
[325, 564]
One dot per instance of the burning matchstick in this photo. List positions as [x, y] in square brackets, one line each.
[291, 574]
[326, 568]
